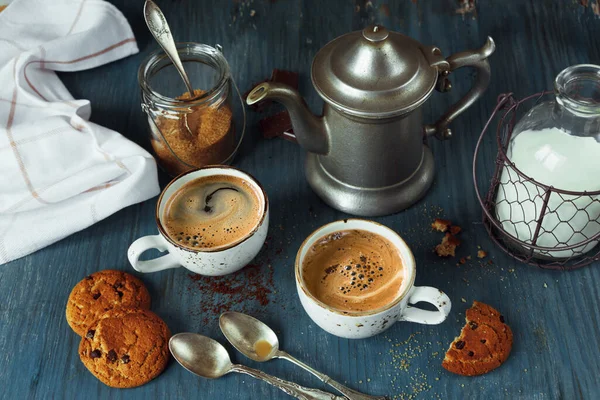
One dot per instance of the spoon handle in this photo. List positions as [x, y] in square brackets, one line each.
[346, 391]
[293, 389]
[157, 24]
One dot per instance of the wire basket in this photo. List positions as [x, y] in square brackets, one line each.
[568, 220]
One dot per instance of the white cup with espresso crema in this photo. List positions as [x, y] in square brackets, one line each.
[355, 278]
[212, 221]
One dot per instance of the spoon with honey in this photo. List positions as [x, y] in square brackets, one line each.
[207, 358]
[257, 341]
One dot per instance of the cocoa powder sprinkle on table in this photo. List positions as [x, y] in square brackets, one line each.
[242, 291]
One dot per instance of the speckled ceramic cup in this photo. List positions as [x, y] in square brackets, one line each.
[363, 324]
[220, 261]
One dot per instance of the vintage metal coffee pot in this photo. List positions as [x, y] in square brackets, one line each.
[366, 153]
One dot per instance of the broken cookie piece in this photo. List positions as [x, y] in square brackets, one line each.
[441, 225]
[484, 343]
[455, 229]
[448, 246]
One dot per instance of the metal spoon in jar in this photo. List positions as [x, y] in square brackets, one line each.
[157, 24]
[258, 342]
[207, 358]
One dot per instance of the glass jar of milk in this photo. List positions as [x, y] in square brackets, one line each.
[557, 144]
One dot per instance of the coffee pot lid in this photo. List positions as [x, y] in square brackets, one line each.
[375, 73]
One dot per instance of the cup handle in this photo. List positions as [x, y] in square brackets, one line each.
[429, 295]
[158, 264]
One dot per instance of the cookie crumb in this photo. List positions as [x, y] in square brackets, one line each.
[481, 254]
[441, 225]
[455, 230]
[448, 246]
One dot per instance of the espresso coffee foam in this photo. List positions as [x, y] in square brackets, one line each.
[212, 212]
[353, 270]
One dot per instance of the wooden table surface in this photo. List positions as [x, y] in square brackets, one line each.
[554, 315]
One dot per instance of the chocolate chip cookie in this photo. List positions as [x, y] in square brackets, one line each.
[126, 347]
[483, 345]
[103, 291]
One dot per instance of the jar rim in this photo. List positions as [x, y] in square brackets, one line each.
[186, 48]
[564, 88]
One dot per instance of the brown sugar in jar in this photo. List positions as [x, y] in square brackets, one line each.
[210, 138]
[188, 132]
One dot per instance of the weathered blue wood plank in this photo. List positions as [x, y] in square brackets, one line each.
[554, 315]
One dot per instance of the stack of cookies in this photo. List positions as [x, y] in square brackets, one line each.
[123, 343]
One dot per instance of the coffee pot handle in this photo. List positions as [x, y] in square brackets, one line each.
[476, 59]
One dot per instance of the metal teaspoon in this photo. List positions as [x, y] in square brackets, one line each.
[258, 342]
[207, 358]
[157, 24]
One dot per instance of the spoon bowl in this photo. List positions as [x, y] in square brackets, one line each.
[200, 355]
[257, 341]
[245, 332]
[207, 358]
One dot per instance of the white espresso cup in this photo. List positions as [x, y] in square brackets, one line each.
[363, 324]
[204, 261]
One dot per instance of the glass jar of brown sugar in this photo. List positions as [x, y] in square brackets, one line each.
[191, 131]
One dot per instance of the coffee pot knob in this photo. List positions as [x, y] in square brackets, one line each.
[375, 33]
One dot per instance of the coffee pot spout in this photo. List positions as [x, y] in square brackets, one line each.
[310, 131]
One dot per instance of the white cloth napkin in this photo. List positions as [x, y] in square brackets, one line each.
[60, 173]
